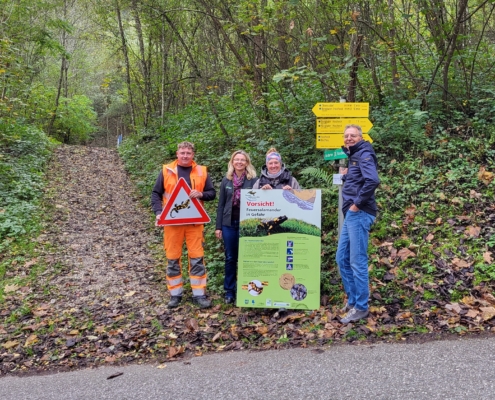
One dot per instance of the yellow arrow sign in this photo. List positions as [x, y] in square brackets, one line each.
[337, 125]
[334, 141]
[341, 109]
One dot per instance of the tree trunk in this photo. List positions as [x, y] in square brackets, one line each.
[461, 8]
[164, 51]
[184, 45]
[434, 11]
[127, 67]
[283, 51]
[144, 66]
[62, 81]
[393, 53]
[351, 89]
[258, 59]
[218, 26]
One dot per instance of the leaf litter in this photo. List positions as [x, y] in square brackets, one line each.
[101, 297]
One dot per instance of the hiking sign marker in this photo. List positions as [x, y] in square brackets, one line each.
[181, 209]
[337, 125]
[334, 141]
[334, 110]
[332, 118]
[334, 154]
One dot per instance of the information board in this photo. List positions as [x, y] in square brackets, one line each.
[279, 249]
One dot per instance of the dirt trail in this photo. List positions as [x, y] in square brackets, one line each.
[101, 228]
[100, 296]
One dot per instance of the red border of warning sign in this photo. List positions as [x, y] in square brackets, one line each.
[163, 220]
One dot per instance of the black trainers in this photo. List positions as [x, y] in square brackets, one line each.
[174, 301]
[229, 300]
[201, 302]
[354, 315]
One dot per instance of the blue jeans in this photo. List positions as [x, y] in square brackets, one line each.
[352, 257]
[230, 236]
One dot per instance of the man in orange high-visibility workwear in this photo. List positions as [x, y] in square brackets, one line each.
[199, 181]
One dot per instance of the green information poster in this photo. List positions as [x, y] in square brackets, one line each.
[279, 249]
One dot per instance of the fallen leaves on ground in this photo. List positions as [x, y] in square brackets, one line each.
[10, 288]
[485, 176]
[101, 298]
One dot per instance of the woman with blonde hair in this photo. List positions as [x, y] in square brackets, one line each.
[240, 175]
[274, 175]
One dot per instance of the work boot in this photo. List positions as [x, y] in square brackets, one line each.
[354, 315]
[201, 301]
[174, 301]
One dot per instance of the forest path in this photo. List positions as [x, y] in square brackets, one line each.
[101, 229]
[98, 298]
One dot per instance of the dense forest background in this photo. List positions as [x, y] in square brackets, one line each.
[245, 74]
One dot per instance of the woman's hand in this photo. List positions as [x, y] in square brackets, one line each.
[218, 233]
[287, 187]
[266, 187]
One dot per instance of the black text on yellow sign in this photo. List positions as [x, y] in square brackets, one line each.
[334, 117]
[334, 141]
[334, 110]
[337, 125]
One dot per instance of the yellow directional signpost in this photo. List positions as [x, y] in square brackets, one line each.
[332, 119]
[337, 125]
[335, 141]
[329, 110]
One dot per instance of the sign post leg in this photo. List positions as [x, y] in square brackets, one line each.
[342, 164]
[341, 215]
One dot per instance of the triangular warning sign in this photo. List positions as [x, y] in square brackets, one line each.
[182, 210]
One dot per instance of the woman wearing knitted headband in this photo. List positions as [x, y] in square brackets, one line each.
[240, 175]
[274, 175]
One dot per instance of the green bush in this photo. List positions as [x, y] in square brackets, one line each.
[76, 120]
[24, 151]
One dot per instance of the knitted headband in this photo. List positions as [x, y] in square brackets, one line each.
[273, 156]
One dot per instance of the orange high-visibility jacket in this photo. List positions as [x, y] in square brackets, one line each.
[170, 178]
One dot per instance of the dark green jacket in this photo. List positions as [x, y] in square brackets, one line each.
[224, 210]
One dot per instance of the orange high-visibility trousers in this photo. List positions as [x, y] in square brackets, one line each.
[173, 240]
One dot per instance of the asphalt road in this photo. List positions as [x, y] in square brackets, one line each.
[451, 369]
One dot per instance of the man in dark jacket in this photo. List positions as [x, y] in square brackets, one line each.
[359, 209]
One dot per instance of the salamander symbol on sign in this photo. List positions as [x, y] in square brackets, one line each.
[177, 207]
[180, 209]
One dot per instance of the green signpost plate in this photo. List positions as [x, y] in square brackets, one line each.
[336, 154]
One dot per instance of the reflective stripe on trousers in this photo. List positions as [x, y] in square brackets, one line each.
[197, 275]
[174, 237]
[175, 281]
[174, 277]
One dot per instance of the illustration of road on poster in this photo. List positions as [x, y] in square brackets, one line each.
[279, 249]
